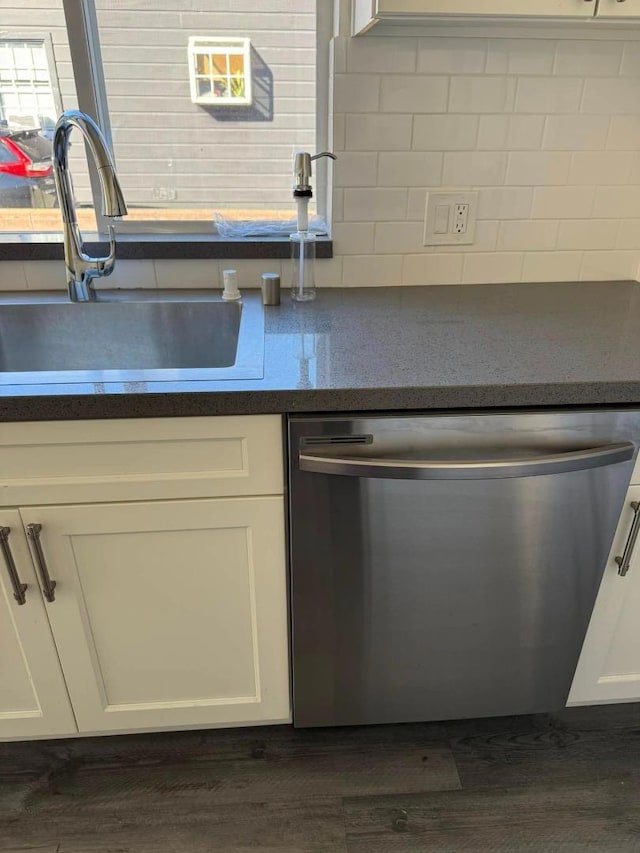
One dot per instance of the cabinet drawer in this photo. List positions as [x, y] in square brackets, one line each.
[158, 458]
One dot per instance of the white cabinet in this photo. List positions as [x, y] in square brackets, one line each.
[367, 13]
[619, 9]
[609, 666]
[33, 696]
[169, 614]
[169, 608]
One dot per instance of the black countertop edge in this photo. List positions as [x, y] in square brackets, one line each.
[49, 248]
[206, 403]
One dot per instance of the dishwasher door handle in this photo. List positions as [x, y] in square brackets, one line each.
[481, 469]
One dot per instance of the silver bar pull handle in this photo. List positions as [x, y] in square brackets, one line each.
[624, 562]
[48, 585]
[19, 588]
[481, 469]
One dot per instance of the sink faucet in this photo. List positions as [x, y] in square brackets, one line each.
[81, 268]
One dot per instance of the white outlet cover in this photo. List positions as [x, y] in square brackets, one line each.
[433, 216]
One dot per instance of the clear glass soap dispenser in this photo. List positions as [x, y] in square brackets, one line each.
[303, 258]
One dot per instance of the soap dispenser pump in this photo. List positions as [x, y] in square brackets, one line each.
[303, 241]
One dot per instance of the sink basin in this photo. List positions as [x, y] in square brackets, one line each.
[131, 339]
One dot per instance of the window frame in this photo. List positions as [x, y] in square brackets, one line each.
[84, 43]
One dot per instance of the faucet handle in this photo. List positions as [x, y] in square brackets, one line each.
[324, 154]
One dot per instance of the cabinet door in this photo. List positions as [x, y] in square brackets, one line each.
[502, 8]
[33, 697]
[619, 9]
[609, 666]
[169, 614]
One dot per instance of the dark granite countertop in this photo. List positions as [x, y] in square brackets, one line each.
[366, 349]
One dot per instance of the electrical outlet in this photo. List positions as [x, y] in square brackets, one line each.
[450, 218]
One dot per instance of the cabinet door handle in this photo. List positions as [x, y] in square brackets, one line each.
[19, 589]
[624, 562]
[48, 585]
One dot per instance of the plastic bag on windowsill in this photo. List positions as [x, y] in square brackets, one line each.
[233, 229]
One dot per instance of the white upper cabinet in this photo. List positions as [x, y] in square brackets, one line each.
[367, 13]
[33, 697]
[609, 666]
[619, 9]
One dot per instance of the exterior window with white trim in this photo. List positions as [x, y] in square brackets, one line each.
[26, 94]
[220, 70]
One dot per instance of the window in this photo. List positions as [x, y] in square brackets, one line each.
[220, 71]
[204, 103]
[26, 93]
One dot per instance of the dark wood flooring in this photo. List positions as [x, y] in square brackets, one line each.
[563, 782]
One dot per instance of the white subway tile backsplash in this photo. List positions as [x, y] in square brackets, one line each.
[551, 266]
[492, 268]
[607, 266]
[510, 132]
[451, 55]
[356, 93]
[493, 133]
[399, 237]
[617, 203]
[523, 234]
[505, 203]
[600, 167]
[611, 96]
[408, 167]
[12, 276]
[520, 56]
[624, 133]
[481, 94]
[538, 168]
[576, 133]
[445, 132]
[432, 269]
[562, 202]
[353, 238]
[328, 272]
[130, 275]
[477, 168]
[356, 169]
[198, 273]
[525, 132]
[375, 205]
[582, 234]
[548, 95]
[630, 66]
[402, 93]
[597, 58]
[371, 270]
[47, 275]
[378, 132]
[629, 235]
[416, 203]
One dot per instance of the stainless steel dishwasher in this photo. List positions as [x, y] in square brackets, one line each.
[447, 566]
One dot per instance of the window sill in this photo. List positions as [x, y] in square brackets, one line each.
[48, 247]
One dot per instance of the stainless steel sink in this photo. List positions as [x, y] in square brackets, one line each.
[130, 338]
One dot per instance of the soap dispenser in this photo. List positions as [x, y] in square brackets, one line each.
[303, 241]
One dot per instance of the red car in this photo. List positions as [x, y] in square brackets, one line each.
[26, 173]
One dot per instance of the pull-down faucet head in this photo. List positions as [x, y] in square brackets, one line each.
[81, 269]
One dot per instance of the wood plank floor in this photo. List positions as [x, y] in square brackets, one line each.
[563, 782]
